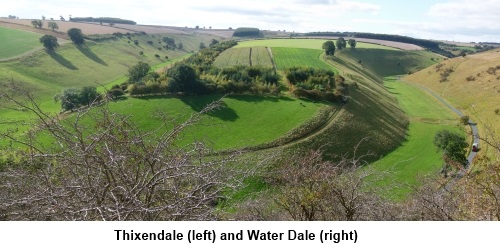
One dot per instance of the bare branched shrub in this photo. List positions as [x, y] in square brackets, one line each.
[97, 165]
[313, 189]
[476, 196]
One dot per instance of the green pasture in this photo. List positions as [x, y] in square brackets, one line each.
[285, 58]
[16, 42]
[100, 64]
[243, 120]
[303, 43]
[417, 155]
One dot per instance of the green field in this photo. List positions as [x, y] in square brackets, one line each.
[244, 120]
[303, 43]
[290, 57]
[94, 64]
[16, 42]
[260, 56]
[255, 56]
[234, 56]
[417, 155]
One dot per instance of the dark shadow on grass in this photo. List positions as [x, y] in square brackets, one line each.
[62, 61]
[92, 56]
[259, 98]
[197, 103]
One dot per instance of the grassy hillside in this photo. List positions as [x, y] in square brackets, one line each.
[417, 155]
[392, 62]
[372, 114]
[94, 64]
[16, 42]
[244, 120]
[470, 84]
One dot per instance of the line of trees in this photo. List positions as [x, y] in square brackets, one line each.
[102, 20]
[247, 32]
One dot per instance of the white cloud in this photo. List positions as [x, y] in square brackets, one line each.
[469, 14]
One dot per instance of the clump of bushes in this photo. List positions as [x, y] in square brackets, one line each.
[445, 74]
[464, 120]
[470, 78]
[73, 98]
[316, 84]
[492, 71]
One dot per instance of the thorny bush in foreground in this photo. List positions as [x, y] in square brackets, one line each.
[109, 169]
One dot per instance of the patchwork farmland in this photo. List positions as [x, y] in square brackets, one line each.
[248, 56]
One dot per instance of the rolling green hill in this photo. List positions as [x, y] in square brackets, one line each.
[417, 155]
[16, 42]
[471, 85]
[93, 64]
[372, 120]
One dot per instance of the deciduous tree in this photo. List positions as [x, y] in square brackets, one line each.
[53, 25]
[329, 48]
[453, 148]
[138, 71]
[76, 36]
[37, 23]
[341, 43]
[352, 43]
[49, 42]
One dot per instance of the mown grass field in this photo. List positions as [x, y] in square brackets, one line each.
[16, 42]
[417, 155]
[290, 57]
[478, 97]
[303, 43]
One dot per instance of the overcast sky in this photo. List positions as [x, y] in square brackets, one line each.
[456, 20]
